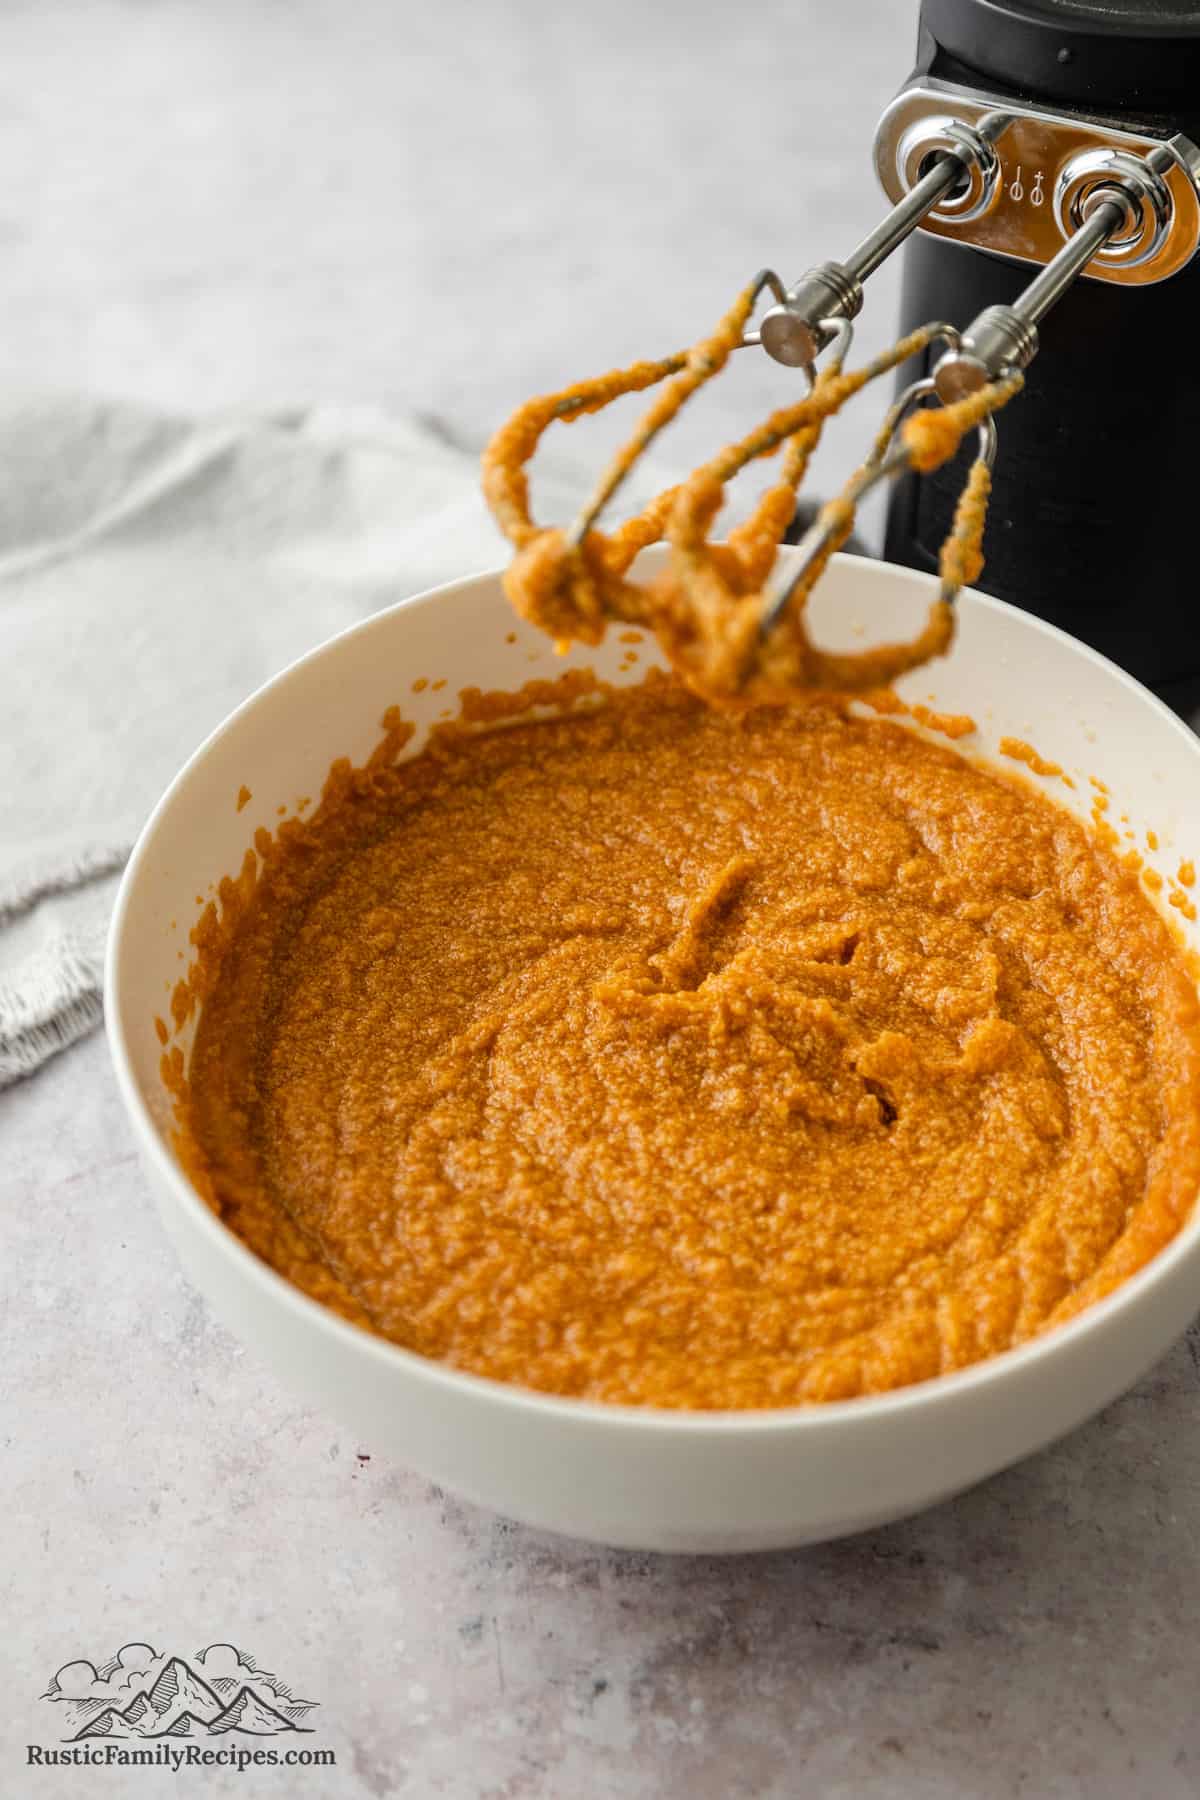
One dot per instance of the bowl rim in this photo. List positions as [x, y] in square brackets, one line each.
[807, 1416]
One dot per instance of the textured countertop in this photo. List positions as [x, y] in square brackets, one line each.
[435, 209]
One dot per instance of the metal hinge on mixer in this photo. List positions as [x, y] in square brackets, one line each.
[1040, 183]
[1075, 195]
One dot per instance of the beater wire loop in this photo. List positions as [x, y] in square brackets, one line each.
[728, 615]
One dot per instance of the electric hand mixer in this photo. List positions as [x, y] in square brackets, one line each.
[991, 182]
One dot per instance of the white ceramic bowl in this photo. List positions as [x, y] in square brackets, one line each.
[629, 1476]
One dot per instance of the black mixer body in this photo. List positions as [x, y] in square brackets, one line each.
[1096, 506]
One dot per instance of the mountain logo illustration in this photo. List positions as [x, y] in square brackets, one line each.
[246, 1712]
[142, 1693]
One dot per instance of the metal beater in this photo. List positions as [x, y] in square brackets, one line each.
[1105, 198]
[1120, 209]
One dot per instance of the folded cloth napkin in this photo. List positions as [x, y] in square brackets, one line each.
[153, 571]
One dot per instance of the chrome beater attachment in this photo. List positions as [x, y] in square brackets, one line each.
[1118, 203]
[1113, 210]
[1123, 209]
[816, 314]
[795, 330]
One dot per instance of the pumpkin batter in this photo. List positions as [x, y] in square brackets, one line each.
[692, 1059]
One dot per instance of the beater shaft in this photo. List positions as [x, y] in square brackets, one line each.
[904, 218]
[795, 330]
[1006, 337]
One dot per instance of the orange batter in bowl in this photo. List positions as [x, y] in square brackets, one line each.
[668, 1056]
